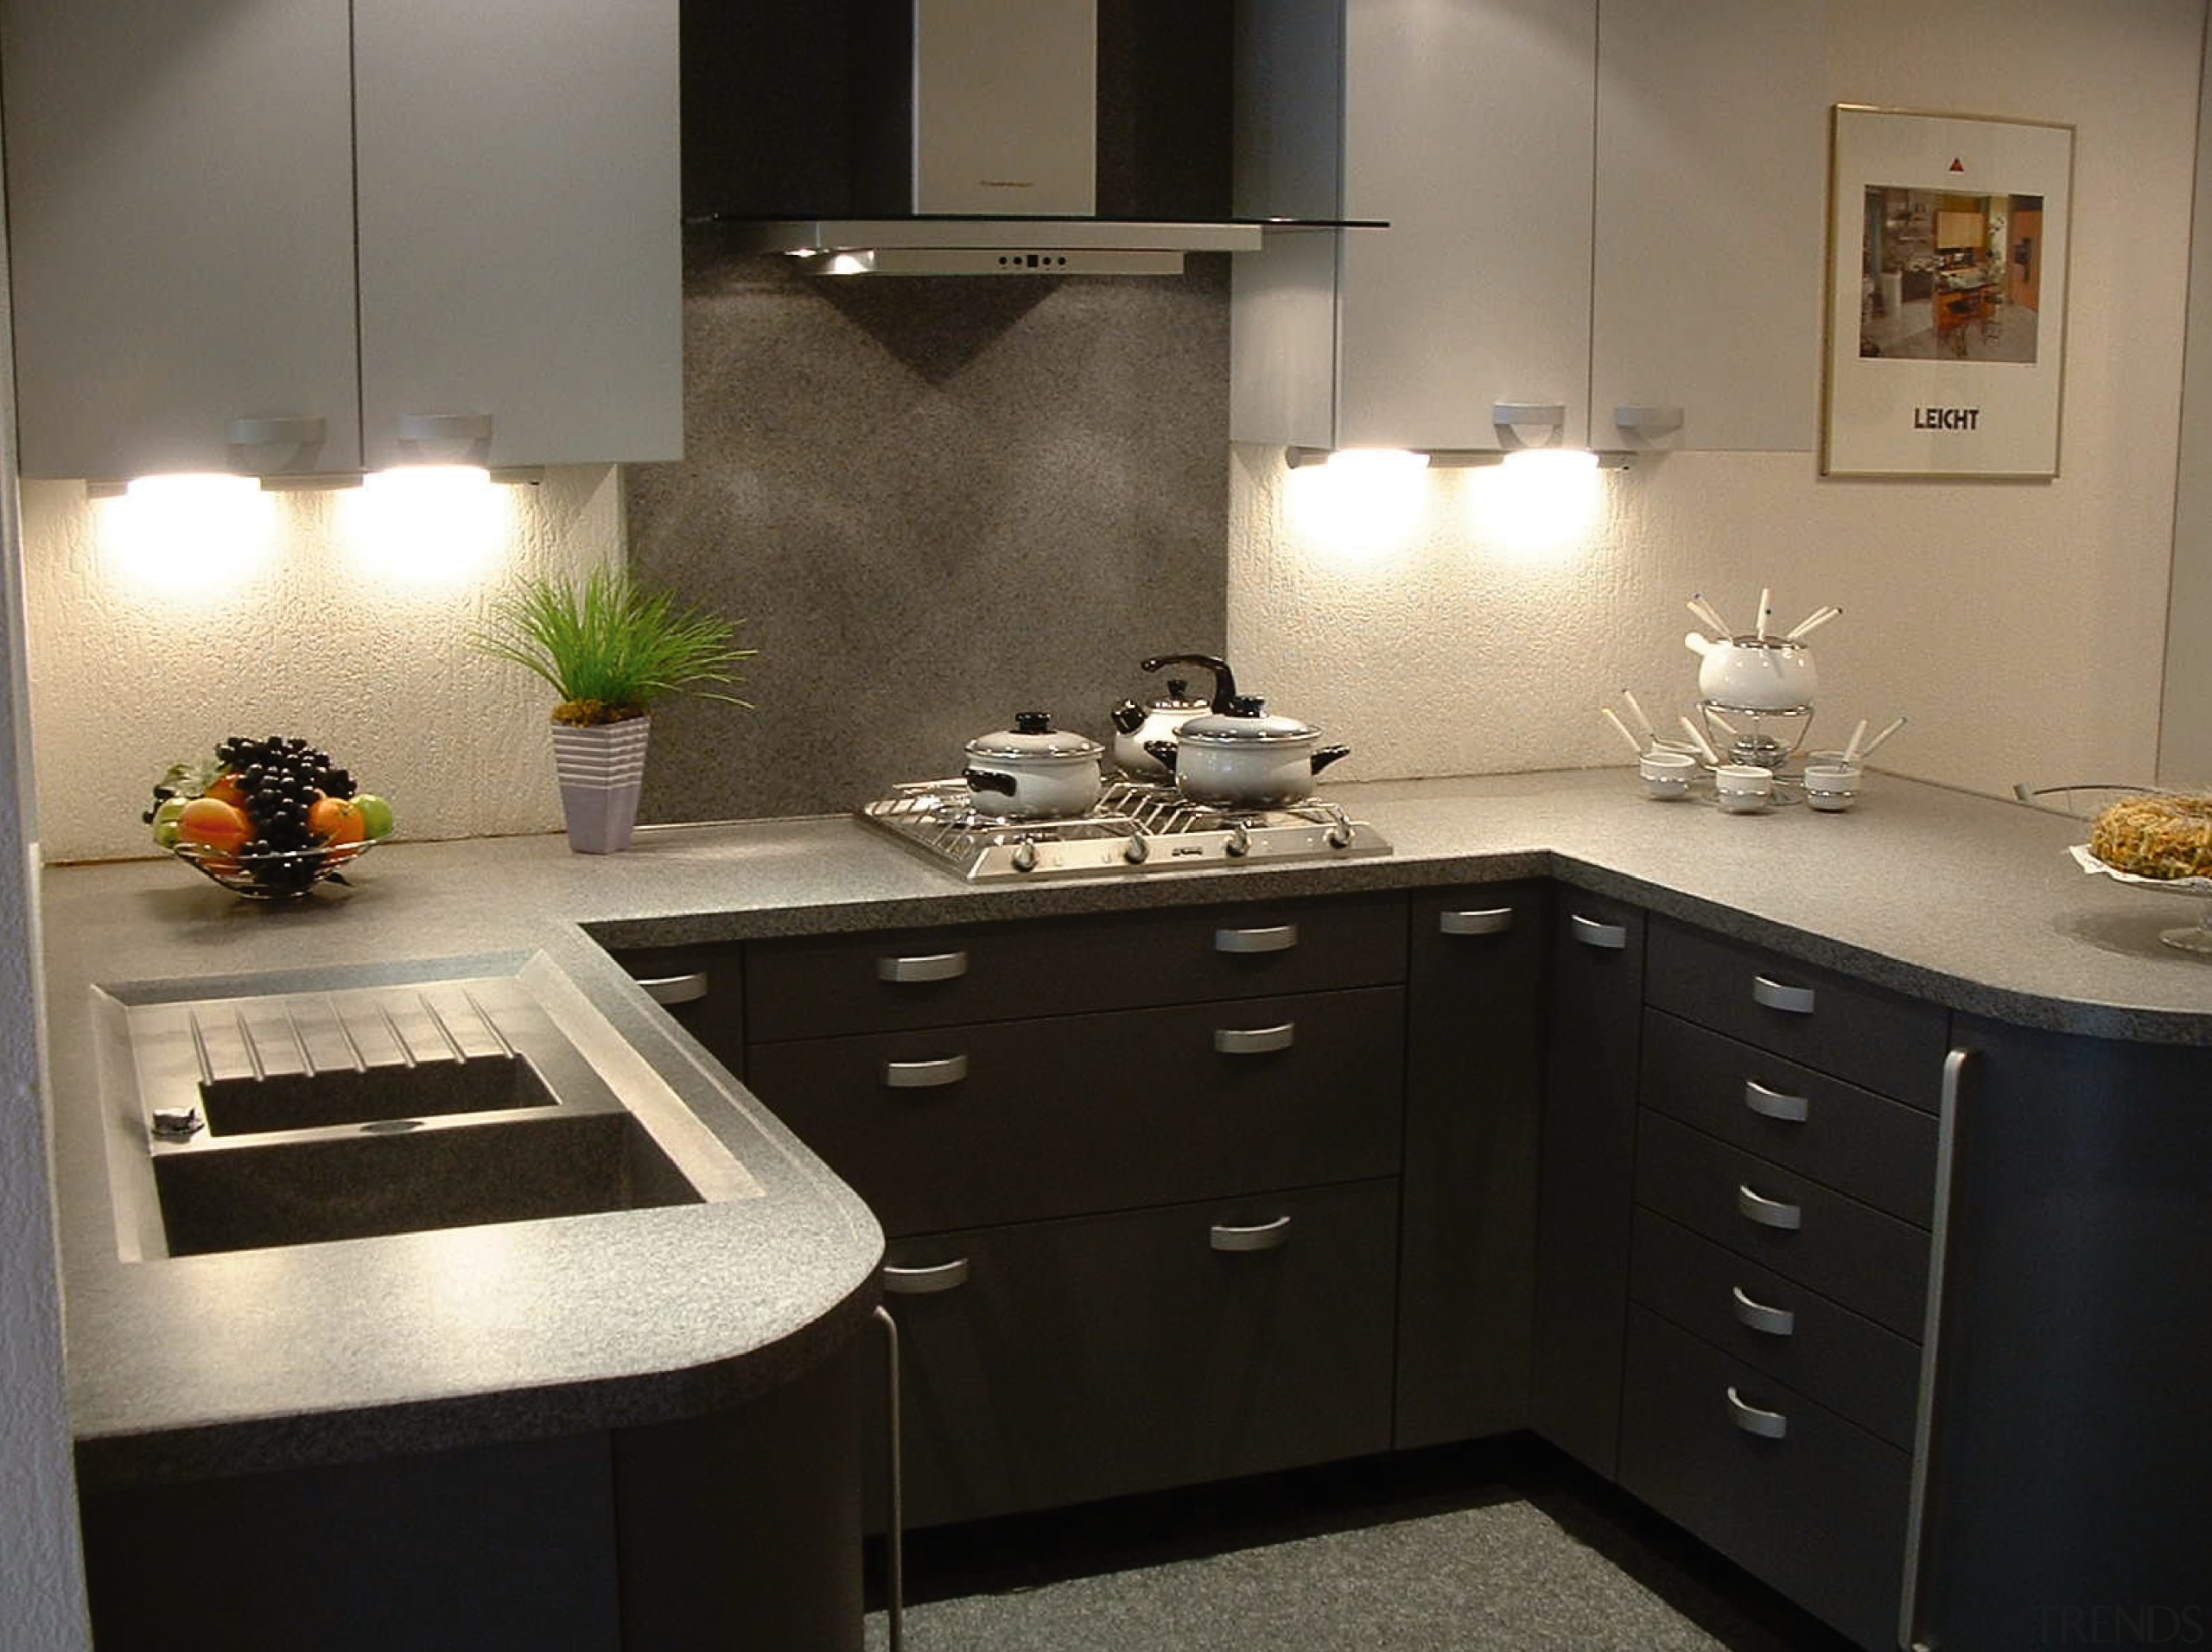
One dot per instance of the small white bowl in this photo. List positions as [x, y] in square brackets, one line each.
[1832, 787]
[1743, 788]
[1666, 775]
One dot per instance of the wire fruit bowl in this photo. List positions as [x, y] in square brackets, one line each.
[275, 874]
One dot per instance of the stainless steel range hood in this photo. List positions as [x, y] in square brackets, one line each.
[977, 152]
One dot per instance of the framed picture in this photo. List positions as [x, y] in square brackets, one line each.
[1947, 293]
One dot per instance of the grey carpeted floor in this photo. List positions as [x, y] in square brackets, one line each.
[1504, 1577]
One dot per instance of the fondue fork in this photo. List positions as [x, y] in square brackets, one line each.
[1709, 616]
[1851, 745]
[1811, 623]
[1698, 739]
[1766, 609]
[1867, 750]
[1643, 723]
[1620, 727]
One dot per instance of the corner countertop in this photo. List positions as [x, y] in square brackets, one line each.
[260, 1359]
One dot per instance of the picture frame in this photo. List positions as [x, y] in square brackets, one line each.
[1946, 312]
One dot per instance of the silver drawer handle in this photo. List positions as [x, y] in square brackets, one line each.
[929, 966]
[1279, 937]
[1767, 1425]
[1775, 1322]
[925, 1075]
[675, 989]
[1796, 1001]
[1263, 1236]
[1254, 1041]
[1768, 1213]
[1591, 932]
[1490, 920]
[926, 1281]
[1774, 1104]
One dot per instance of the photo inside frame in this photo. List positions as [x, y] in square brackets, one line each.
[1950, 276]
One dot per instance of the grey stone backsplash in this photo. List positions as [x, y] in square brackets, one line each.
[935, 502]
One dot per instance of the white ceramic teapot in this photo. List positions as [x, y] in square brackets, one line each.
[1753, 673]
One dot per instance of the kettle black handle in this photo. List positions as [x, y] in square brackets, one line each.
[1163, 751]
[1129, 716]
[1224, 680]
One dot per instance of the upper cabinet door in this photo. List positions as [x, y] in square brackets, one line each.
[180, 227]
[1712, 189]
[520, 233]
[1467, 126]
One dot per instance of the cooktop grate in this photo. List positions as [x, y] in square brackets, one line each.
[1135, 827]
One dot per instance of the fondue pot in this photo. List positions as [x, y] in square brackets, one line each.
[1032, 771]
[1753, 673]
[1242, 757]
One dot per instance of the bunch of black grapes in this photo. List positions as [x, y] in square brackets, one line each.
[279, 778]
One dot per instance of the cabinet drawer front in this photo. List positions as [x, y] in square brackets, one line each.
[701, 988]
[1819, 1513]
[1099, 1356]
[1869, 1262]
[960, 1127]
[1856, 1141]
[1825, 1351]
[829, 984]
[1887, 1043]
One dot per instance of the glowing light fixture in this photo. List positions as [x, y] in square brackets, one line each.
[1540, 505]
[427, 524]
[1551, 462]
[187, 533]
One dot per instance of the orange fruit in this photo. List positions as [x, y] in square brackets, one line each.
[337, 820]
[225, 790]
[212, 824]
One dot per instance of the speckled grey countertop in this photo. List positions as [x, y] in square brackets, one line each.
[186, 1366]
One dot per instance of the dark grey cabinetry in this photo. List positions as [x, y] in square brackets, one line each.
[1786, 1158]
[1586, 1181]
[1139, 1173]
[1467, 1243]
[703, 986]
[2067, 1498]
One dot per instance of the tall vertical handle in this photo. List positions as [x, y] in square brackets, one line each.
[1931, 1349]
[894, 1519]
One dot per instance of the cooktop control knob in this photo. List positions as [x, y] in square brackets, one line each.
[1137, 850]
[1240, 840]
[1025, 856]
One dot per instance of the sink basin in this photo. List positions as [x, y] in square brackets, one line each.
[356, 1112]
[363, 1182]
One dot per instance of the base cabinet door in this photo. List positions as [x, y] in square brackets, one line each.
[1056, 1362]
[1586, 1184]
[1790, 1491]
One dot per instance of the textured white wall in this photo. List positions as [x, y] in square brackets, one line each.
[349, 627]
[2021, 624]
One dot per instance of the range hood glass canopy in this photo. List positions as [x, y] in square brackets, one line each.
[963, 136]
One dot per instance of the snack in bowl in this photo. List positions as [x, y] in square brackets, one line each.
[269, 818]
[2160, 834]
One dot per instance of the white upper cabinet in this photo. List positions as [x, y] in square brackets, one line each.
[236, 224]
[1711, 218]
[521, 229]
[181, 230]
[1593, 205]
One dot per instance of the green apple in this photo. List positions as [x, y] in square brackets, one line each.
[376, 814]
[165, 822]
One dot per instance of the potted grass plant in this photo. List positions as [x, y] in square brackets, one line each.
[609, 648]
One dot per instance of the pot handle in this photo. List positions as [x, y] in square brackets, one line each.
[1224, 680]
[983, 780]
[1165, 751]
[1128, 717]
[1329, 754]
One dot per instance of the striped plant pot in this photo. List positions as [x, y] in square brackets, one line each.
[601, 770]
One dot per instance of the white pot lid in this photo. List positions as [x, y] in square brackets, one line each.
[1034, 740]
[1246, 722]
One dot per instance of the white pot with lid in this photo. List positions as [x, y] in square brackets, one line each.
[1034, 770]
[1242, 758]
[1753, 673]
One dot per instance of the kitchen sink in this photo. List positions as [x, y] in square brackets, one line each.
[283, 1117]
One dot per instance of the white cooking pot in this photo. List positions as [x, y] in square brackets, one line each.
[1753, 673]
[1032, 771]
[1243, 759]
[1136, 727]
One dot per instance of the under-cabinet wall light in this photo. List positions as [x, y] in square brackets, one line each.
[185, 533]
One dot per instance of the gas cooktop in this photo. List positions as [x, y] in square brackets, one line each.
[1135, 827]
